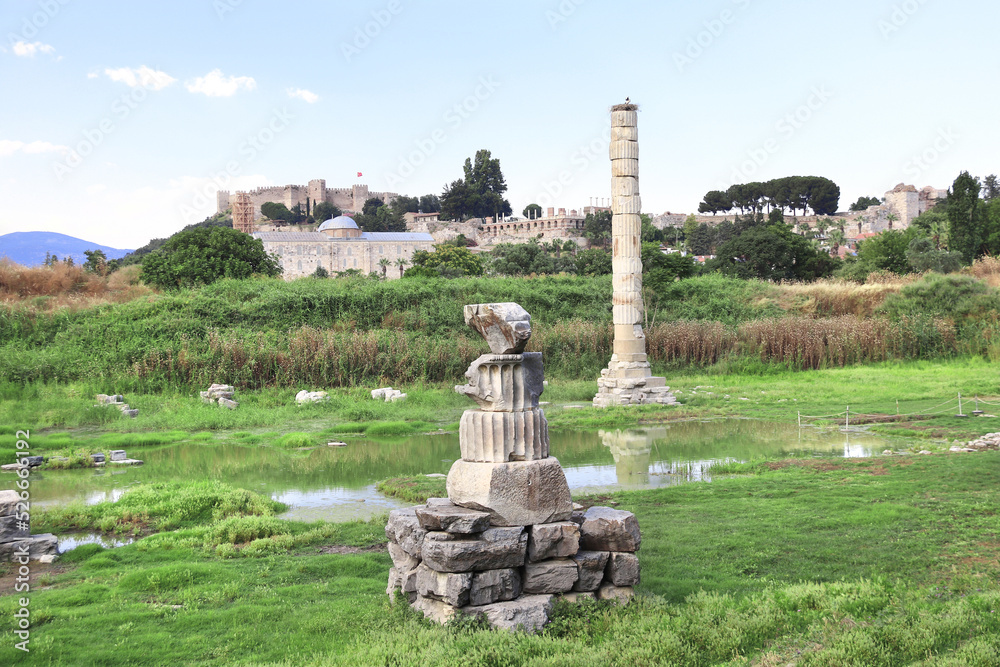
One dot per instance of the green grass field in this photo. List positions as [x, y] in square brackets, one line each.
[849, 562]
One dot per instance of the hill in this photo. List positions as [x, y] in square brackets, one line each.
[29, 248]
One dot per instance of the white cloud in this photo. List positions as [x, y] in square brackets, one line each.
[146, 77]
[93, 75]
[9, 147]
[29, 49]
[303, 94]
[214, 84]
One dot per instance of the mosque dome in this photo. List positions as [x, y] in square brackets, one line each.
[340, 222]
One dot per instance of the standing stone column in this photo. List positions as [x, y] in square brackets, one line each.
[628, 379]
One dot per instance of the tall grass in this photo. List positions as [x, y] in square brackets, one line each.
[47, 288]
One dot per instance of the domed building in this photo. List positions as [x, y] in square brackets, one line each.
[340, 245]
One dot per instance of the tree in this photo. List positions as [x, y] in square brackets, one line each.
[923, 256]
[97, 262]
[772, 252]
[202, 256]
[277, 212]
[320, 272]
[649, 233]
[401, 263]
[324, 211]
[891, 218]
[457, 201]
[404, 205]
[384, 263]
[965, 216]
[597, 228]
[837, 239]
[532, 211]
[659, 269]
[449, 260]
[690, 225]
[715, 201]
[701, 240]
[886, 252]
[380, 218]
[430, 204]
[593, 262]
[479, 194]
[863, 203]
[991, 188]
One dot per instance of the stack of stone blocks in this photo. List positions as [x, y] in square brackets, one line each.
[507, 540]
[117, 401]
[16, 539]
[221, 394]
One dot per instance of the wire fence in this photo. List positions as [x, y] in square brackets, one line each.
[956, 406]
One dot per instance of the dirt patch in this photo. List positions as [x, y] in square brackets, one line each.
[9, 575]
[340, 549]
[876, 468]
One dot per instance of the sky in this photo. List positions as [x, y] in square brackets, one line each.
[120, 120]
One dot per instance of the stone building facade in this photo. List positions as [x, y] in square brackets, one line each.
[349, 200]
[339, 245]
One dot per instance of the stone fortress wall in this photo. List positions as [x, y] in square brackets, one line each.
[350, 199]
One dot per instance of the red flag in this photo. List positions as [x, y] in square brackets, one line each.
[359, 174]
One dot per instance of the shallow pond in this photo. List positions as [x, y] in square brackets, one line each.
[338, 484]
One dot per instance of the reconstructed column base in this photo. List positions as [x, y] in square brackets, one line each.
[519, 493]
[631, 383]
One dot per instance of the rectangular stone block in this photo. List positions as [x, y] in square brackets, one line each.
[606, 529]
[404, 529]
[37, 545]
[623, 569]
[528, 613]
[519, 493]
[449, 587]
[621, 595]
[400, 559]
[494, 549]
[590, 567]
[8, 502]
[551, 576]
[495, 586]
[553, 540]
[118, 455]
[12, 529]
[435, 610]
[453, 519]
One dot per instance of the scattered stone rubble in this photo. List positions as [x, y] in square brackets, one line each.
[221, 394]
[507, 541]
[311, 397]
[388, 394]
[990, 441]
[118, 401]
[15, 532]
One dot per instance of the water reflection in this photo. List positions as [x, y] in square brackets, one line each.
[338, 483]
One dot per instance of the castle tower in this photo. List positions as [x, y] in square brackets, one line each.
[243, 213]
[628, 379]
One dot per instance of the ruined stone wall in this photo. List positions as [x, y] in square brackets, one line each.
[350, 199]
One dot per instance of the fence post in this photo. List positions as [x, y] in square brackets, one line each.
[847, 421]
[960, 414]
[800, 418]
[897, 407]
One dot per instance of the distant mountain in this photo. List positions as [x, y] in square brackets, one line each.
[29, 248]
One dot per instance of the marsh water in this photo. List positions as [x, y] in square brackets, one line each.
[338, 483]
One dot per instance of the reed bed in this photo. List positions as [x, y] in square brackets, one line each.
[45, 289]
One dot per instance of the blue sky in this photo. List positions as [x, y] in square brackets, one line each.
[120, 120]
